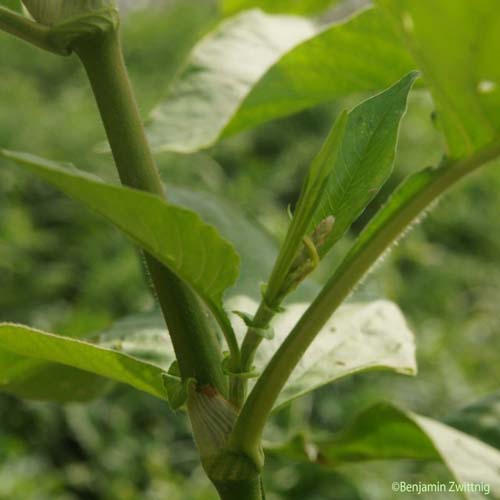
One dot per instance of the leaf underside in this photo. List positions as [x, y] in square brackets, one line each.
[385, 432]
[480, 419]
[112, 364]
[454, 43]
[256, 67]
[359, 337]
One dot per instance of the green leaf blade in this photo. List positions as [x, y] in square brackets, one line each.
[385, 432]
[357, 338]
[355, 161]
[222, 70]
[256, 248]
[365, 160]
[40, 381]
[257, 67]
[175, 236]
[480, 419]
[454, 43]
[43, 346]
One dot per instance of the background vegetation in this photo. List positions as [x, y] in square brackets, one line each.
[66, 270]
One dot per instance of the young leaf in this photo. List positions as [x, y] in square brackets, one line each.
[282, 279]
[175, 236]
[480, 419]
[353, 164]
[31, 343]
[358, 337]
[385, 432]
[464, 82]
[365, 160]
[256, 67]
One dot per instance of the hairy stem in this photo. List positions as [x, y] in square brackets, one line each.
[389, 225]
[195, 343]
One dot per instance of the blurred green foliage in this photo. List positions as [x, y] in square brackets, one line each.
[63, 268]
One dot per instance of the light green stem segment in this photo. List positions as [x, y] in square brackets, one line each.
[240, 490]
[247, 432]
[24, 28]
[195, 343]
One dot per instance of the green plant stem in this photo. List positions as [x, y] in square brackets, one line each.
[247, 432]
[195, 342]
[240, 490]
[27, 30]
[272, 298]
[251, 342]
[277, 288]
[249, 346]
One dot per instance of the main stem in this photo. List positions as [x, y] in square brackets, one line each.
[195, 343]
[240, 490]
[196, 346]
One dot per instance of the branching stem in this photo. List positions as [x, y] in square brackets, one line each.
[247, 432]
[24, 28]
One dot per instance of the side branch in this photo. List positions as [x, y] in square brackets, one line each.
[386, 227]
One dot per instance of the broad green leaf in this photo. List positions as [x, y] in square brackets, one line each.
[358, 337]
[480, 419]
[256, 67]
[32, 379]
[343, 186]
[175, 236]
[385, 432]
[31, 343]
[145, 336]
[454, 43]
[230, 7]
[256, 248]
